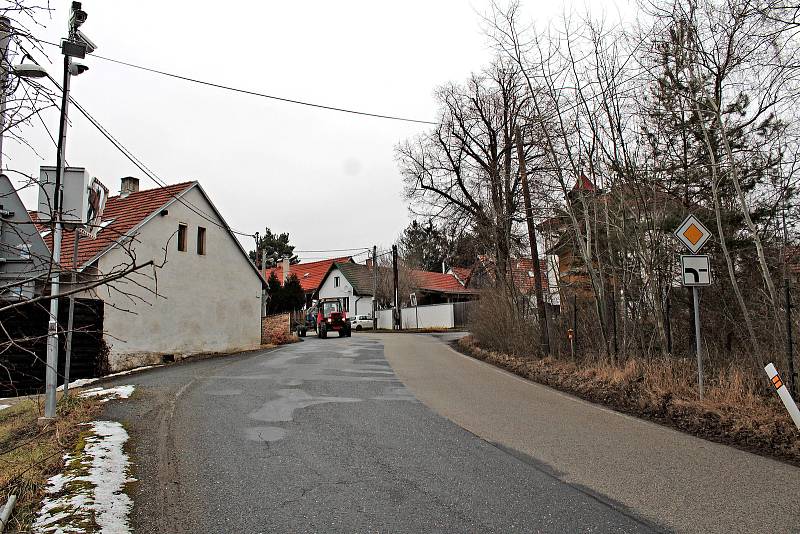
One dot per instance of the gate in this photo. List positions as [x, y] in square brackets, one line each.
[462, 312]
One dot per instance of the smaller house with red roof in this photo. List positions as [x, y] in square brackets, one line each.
[310, 274]
[202, 294]
[354, 283]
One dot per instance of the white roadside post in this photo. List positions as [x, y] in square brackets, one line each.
[783, 393]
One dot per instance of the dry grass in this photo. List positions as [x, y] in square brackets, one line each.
[736, 409]
[31, 452]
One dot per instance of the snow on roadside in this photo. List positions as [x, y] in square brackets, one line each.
[4, 406]
[86, 381]
[118, 392]
[89, 496]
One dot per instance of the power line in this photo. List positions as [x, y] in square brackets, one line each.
[256, 93]
[150, 174]
[262, 95]
[136, 161]
[335, 249]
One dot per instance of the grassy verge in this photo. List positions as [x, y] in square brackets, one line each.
[663, 391]
[31, 452]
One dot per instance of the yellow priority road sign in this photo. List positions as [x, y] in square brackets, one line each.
[692, 233]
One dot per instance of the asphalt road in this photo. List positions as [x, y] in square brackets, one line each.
[684, 483]
[322, 436]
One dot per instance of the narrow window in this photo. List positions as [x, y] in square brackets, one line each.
[335, 281]
[201, 240]
[346, 304]
[182, 230]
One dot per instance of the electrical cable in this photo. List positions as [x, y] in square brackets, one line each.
[150, 174]
[255, 93]
[335, 249]
[136, 161]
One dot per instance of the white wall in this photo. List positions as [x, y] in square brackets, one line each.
[385, 319]
[207, 303]
[356, 305]
[431, 316]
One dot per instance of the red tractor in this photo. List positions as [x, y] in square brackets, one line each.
[332, 318]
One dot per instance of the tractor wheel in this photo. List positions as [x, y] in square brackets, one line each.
[349, 332]
[341, 333]
[323, 331]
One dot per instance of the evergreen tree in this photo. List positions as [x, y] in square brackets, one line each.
[276, 246]
[422, 246]
[293, 297]
[274, 290]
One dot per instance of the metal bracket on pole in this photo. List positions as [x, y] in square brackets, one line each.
[783, 393]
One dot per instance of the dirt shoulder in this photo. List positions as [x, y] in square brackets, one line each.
[748, 422]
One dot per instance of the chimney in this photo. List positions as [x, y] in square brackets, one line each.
[128, 185]
[285, 268]
[369, 263]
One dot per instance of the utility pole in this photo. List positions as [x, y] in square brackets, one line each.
[5, 38]
[71, 47]
[374, 287]
[397, 322]
[544, 335]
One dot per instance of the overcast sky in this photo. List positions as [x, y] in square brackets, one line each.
[327, 178]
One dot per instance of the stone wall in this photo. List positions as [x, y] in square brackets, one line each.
[275, 328]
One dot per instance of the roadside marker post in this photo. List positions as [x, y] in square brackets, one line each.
[783, 393]
[695, 272]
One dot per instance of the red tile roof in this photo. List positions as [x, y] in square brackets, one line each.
[433, 281]
[463, 274]
[310, 274]
[583, 183]
[125, 213]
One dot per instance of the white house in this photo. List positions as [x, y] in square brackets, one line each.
[350, 282]
[353, 283]
[206, 294]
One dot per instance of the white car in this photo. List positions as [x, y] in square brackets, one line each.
[361, 322]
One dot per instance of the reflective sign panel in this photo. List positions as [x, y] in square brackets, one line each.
[696, 270]
[692, 233]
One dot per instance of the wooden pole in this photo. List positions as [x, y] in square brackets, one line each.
[544, 335]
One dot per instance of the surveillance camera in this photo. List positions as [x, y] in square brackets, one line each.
[90, 46]
[76, 68]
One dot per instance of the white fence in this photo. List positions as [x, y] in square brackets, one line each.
[431, 316]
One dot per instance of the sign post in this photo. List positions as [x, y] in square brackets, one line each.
[695, 273]
[414, 304]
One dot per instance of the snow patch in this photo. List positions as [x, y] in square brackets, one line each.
[4, 406]
[89, 496]
[87, 381]
[118, 392]
[78, 383]
[135, 370]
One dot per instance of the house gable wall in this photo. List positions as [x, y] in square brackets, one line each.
[357, 305]
[206, 303]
